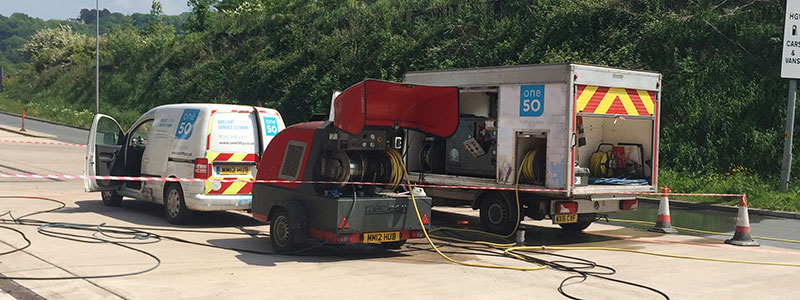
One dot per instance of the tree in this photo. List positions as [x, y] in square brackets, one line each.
[88, 16]
[53, 46]
[201, 15]
[156, 10]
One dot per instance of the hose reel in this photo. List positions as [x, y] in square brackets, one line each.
[602, 163]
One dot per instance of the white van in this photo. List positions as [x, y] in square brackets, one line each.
[205, 141]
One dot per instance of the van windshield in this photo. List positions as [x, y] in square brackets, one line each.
[233, 132]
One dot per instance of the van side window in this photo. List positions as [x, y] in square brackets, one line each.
[107, 132]
[135, 150]
[139, 136]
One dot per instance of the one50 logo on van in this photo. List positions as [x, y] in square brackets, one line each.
[531, 100]
[186, 125]
[270, 126]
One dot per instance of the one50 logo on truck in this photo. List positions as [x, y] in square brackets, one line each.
[531, 100]
[186, 125]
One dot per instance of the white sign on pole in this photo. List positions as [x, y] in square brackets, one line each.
[790, 62]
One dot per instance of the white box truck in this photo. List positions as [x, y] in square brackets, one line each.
[585, 136]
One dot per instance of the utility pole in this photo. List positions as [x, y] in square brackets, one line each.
[1, 79]
[97, 58]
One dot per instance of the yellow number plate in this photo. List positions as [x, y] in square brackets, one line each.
[382, 237]
[563, 219]
[234, 170]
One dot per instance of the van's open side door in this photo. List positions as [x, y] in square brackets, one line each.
[103, 153]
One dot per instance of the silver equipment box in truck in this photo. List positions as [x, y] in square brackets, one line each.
[585, 136]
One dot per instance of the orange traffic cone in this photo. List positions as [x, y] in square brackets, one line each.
[663, 224]
[742, 235]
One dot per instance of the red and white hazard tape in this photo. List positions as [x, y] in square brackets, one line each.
[42, 143]
[278, 181]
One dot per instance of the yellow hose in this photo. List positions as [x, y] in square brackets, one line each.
[527, 165]
[430, 241]
[598, 164]
[527, 160]
[397, 161]
[509, 248]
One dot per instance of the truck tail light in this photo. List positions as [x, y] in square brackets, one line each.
[566, 207]
[201, 168]
[629, 204]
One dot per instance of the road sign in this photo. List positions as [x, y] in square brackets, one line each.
[790, 62]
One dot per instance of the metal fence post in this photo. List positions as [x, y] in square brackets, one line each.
[786, 168]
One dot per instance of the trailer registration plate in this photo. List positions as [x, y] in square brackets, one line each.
[233, 170]
[382, 237]
[564, 219]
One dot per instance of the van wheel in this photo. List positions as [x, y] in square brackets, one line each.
[175, 206]
[584, 220]
[281, 233]
[497, 214]
[111, 198]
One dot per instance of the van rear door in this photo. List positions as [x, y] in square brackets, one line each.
[102, 153]
[233, 148]
[271, 123]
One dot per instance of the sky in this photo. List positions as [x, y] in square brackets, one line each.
[64, 9]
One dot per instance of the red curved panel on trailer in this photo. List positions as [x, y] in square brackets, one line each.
[271, 161]
[431, 109]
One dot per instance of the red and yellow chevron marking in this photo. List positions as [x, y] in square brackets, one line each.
[614, 101]
[229, 188]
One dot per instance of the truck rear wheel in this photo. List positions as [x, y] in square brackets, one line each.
[498, 215]
[281, 233]
[584, 220]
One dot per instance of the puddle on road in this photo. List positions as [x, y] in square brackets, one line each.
[703, 219]
[716, 221]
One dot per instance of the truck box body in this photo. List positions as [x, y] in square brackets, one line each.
[541, 107]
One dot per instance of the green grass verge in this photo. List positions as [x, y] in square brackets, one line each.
[52, 112]
[61, 112]
[761, 192]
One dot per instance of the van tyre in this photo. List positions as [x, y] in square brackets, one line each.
[111, 198]
[584, 220]
[175, 206]
[281, 233]
[497, 214]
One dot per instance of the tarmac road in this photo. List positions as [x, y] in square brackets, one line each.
[352, 272]
[63, 133]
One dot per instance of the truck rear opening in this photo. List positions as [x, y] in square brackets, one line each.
[616, 135]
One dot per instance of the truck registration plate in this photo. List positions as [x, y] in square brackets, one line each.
[233, 170]
[382, 237]
[564, 219]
